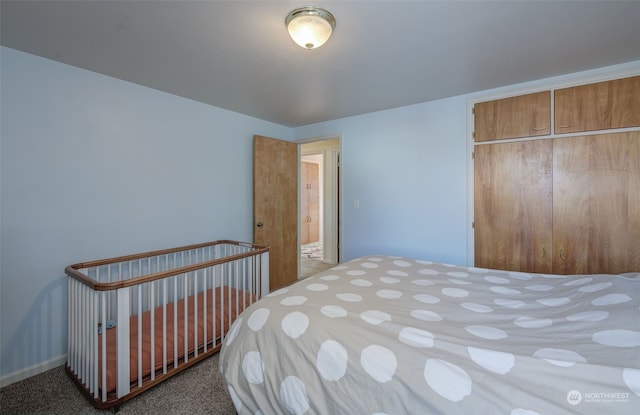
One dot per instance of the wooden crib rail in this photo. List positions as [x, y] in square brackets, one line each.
[73, 270]
[138, 319]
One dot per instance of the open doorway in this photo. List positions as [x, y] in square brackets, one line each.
[319, 206]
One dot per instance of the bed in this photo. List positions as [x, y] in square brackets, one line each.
[388, 335]
[135, 321]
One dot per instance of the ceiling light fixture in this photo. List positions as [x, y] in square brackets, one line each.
[310, 26]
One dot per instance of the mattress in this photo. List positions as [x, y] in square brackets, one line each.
[222, 309]
[388, 335]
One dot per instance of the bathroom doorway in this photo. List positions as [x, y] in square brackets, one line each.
[319, 205]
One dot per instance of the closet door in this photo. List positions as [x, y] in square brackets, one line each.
[314, 202]
[596, 204]
[513, 211]
[514, 117]
[304, 203]
[309, 203]
[598, 106]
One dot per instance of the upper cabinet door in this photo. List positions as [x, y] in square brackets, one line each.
[598, 106]
[514, 117]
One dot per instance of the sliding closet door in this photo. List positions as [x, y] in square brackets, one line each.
[596, 203]
[513, 211]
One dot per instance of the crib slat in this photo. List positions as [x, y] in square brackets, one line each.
[100, 291]
[205, 310]
[93, 335]
[195, 313]
[141, 334]
[104, 346]
[185, 326]
[214, 308]
[165, 298]
[122, 341]
[152, 334]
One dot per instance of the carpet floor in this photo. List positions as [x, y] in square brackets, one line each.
[197, 390]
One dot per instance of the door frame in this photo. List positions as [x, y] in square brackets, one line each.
[331, 194]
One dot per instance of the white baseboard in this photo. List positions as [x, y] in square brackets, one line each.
[32, 371]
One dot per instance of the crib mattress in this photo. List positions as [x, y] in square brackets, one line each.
[388, 335]
[228, 303]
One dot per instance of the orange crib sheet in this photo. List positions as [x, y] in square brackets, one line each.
[231, 303]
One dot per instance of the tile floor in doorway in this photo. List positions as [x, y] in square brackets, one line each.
[311, 259]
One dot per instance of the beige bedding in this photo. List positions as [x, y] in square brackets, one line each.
[387, 335]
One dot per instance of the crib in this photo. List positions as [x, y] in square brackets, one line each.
[136, 320]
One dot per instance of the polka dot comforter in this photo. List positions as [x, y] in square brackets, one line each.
[388, 335]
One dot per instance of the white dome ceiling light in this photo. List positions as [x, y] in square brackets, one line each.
[310, 26]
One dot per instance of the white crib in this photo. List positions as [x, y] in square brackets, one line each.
[136, 320]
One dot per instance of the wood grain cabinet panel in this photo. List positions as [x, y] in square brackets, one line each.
[598, 106]
[513, 211]
[514, 117]
[309, 203]
[565, 205]
[596, 204]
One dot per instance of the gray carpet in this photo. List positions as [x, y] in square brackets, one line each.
[197, 390]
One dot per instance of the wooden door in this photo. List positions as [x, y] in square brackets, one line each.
[598, 106]
[520, 116]
[596, 204]
[309, 203]
[512, 206]
[275, 206]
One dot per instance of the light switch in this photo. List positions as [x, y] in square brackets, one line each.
[356, 204]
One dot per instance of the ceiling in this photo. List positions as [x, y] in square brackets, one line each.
[237, 55]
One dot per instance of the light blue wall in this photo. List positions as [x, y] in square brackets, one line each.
[410, 170]
[407, 168]
[94, 167]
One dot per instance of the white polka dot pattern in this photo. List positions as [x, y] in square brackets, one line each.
[332, 360]
[617, 338]
[375, 317]
[258, 319]
[253, 368]
[235, 328]
[294, 395]
[478, 308]
[496, 362]
[522, 411]
[631, 378]
[486, 332]
[426, 315]
[294, 300]
[559, 357]
[447, 379]
[317, 287]
[237, 402]
[532, 323]
[402, 335]
[295, 324]
[378, 362]
[333, 311]
[416, 337]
